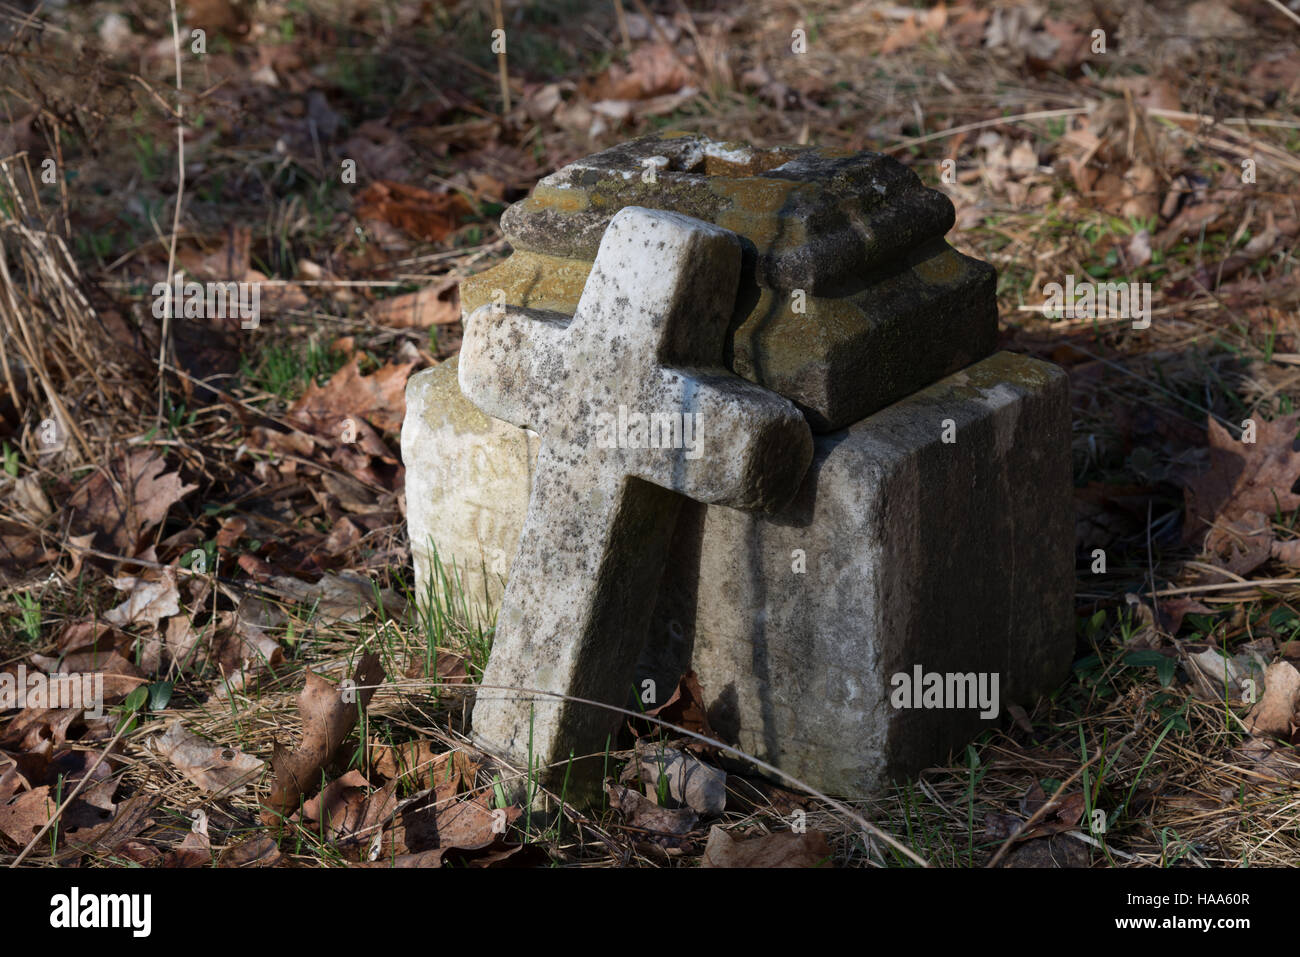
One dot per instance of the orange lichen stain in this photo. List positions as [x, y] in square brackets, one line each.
[530, 280]
[553, 197]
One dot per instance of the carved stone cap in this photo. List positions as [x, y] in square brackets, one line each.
[820, 220]
[849, 297]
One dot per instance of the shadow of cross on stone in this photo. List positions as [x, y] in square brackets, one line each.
[635, 408]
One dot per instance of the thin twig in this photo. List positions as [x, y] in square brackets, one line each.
[502, 71]
[176, 217]
[1289, 13]
[621, 17]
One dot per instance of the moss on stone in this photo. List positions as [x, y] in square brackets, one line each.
[442, 397]
[530, 280]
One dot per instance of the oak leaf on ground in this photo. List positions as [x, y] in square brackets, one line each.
[1261, 476]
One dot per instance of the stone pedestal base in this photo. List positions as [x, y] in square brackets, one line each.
[927, 558]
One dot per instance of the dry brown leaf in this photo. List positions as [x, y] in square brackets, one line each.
[379, 398]
[1062, 815]
[380, 151]
[1243, 545]
[416, 764]
[23, 816]
[120, 507]
[1072, 44]
[19, 135]
[346, 597]
[20, 552]
[275, 297]
[120, 676]
[241, 646]
[226, 17]
[86, 648]
[418, 212]
[75, 552]
[908, 33]
[347, 812]
[351, 494]
[688, 780]
[181, 640]
[26, 730]
[227, 259]
[686, 709]
[82, 635]
[1288, 553]
[132, 816]
[28, 499]
[782, 849]
[1263, 476]
[1172, 611]
[258, 852]
[195, 850]
[653, 69]
[233, 528]
[328, 716]
[432, 826]
[1275, 711]
[1018, 34]
[470, 825]
[435, 305]
[212, 768]
[666, 825]
[147, 602]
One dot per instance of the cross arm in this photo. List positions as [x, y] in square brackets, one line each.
[511, 359]
[749, 447]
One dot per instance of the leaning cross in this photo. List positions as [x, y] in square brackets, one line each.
[634, 408]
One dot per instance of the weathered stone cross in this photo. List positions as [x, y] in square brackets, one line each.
[634, 408]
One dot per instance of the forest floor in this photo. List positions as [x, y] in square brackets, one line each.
[212, 516]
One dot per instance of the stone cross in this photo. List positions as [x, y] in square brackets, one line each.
[635, 409]
[930, 537]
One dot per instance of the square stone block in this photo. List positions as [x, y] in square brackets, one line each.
[468, 476]
[932, 537]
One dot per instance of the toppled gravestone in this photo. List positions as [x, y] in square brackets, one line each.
[632, 404]
[921, 575]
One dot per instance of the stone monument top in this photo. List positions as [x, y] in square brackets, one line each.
[818, 219]
[849, 297]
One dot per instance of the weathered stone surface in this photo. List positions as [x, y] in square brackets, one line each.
[955, 557]
[819, 219]
[848, 297]
[646, 341]
[464, 475]
[841, 358]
